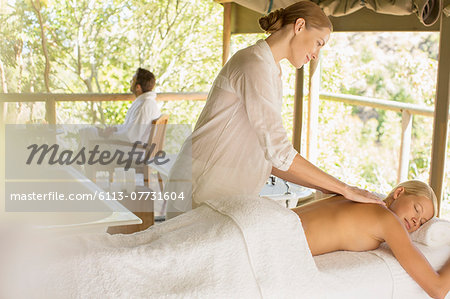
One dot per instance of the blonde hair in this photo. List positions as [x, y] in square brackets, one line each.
[311, 12]
[414, 187]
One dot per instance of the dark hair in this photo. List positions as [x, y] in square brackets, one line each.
[311, 12]
[145, 79]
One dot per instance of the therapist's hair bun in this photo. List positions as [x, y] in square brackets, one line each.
[312, 14]
[273, 21]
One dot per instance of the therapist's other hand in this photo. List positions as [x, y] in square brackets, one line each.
[361, 195]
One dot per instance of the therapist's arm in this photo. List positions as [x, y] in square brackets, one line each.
[302, 172]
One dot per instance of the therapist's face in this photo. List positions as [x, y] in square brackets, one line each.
[305, 44]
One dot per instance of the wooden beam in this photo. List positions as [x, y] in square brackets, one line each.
[3, 111]
[50, 111]
[298, 110]
[368, 20]
[313, 110]
[245, 20]
[438, 150]
[378, 103]
[178, 96]
[2, 160]
[69, 97]
[226, 32]
[97, 97]
[405, 147]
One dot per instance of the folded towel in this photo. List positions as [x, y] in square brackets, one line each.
[435, 232]
[276, 244]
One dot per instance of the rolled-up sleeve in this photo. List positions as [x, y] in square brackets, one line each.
[254, 84]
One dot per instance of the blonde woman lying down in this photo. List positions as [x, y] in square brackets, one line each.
[340, 224]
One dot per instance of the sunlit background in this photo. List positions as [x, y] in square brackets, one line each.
[96, 46]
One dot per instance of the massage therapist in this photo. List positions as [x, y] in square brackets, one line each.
[239, 139]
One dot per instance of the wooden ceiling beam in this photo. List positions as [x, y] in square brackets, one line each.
[244, 20]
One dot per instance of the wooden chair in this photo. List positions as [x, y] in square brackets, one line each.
[156, 137]
[158, 133]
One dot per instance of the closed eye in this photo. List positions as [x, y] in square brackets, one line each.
[417, 211]
[423, 220]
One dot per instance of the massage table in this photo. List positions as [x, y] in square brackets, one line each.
[374, 274]
[226, 248]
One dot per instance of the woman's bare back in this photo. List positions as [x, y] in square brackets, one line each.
[339, 224]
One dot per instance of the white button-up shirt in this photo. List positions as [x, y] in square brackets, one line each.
[239, 135]
[137, 124]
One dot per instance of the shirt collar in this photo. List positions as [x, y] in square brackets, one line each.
[146, 95]
[268, 56]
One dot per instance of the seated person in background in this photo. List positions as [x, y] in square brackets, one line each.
[139, 116]
[340, 224]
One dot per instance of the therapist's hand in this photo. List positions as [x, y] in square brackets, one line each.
[361, 195]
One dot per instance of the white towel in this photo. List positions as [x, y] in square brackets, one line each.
[276, 244]
[246, 247]
[403, 285]
[434, 233]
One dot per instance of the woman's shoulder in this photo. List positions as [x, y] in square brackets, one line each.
[369, 219]
[374, 215]
[383, 219]
[249, 59]
[379, 212]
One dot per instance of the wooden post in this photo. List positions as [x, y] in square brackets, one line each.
[313, 109]
[298, 110]
[3, 105]
[405, 147]
[226, 31]
[50, 111]
[2, 169]
[441, 105]
[2, 156]
[3, 109]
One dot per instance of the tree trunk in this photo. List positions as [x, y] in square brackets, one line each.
[18, 46]
[32, 73]
[2, 74]
[4, 106]
[98, 105]
[37, 8]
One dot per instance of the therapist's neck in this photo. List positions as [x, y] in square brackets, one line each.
[279, 43]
